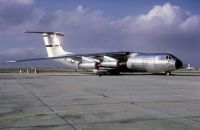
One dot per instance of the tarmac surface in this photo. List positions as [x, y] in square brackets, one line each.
[64, 101]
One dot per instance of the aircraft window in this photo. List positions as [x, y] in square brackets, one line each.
[167, 57]
[170, 57]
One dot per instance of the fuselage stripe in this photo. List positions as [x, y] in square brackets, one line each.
[52, 45]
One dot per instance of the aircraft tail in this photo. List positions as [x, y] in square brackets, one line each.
[52, 43]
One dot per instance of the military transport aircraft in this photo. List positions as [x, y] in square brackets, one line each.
[107, 63]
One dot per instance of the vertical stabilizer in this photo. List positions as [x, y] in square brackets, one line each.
[52, 43]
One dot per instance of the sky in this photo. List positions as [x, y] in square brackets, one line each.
[151, 26]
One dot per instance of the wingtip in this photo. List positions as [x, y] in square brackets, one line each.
[11, 61]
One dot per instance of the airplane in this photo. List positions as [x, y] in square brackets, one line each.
[110, 63]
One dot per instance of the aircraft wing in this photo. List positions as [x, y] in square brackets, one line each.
[117, 55]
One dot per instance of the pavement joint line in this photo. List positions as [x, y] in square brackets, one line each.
[51, 109]
[194, 120]
[126, 102]
[103, 95]
[36, 114]
[33, 126]
[131, 101]
[48, 113]
[135, 120]
[64, 111]
[175, 116]
[33, 114]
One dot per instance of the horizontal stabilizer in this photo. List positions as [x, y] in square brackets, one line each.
[57, 33]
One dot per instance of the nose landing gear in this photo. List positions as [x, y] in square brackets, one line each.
[168, 73]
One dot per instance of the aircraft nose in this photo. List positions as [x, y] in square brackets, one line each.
[178, 64]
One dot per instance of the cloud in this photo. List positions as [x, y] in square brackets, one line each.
[84, 28]
[158, 19]
[17, 14]
[167, 14]
[81, 9]
[192, 24]
[165, 28]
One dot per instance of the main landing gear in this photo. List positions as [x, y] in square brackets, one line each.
[99, 74]
[108, 73]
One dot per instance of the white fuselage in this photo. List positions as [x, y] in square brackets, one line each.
[137, 62]
[151, 63]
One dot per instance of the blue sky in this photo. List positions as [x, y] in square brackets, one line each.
[117, 8]
[102, 25]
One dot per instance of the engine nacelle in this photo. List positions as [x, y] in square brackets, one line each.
[89, 65]
[112, 64]
[100, 71]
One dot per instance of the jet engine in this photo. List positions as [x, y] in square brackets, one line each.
[89, 65]
[109, 62]
[112, 64]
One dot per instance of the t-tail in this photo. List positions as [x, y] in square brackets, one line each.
[52, 43]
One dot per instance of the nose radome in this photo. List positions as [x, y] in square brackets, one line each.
[178, 64]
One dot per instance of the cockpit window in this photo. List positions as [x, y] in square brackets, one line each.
[168, 57]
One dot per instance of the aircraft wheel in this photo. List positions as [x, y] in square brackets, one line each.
[168, 73]
[114, 73]
[99, 74]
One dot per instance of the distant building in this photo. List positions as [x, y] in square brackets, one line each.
[189, 67]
